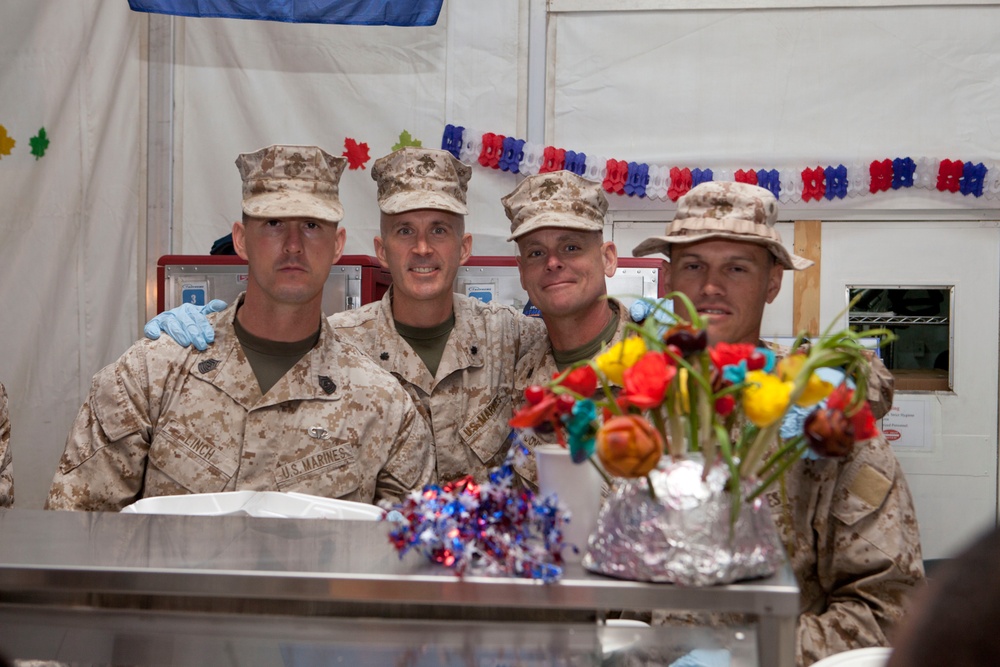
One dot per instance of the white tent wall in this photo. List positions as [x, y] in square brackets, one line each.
[246, 84]
[69, 220]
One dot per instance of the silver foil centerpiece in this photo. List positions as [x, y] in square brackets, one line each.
[685, 534]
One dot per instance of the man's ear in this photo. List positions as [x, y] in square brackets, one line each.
[774, 281]
[466, 249]
[609, 254]
[341, 241]
[665, 277]
[520, 271]
[239, 240]
[380, 251]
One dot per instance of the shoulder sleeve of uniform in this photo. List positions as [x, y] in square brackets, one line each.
[865, 481]
[881, 387]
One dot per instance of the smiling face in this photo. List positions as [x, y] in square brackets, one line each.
[422, 249]
[289, 258]
[729, 283]
[564, 270]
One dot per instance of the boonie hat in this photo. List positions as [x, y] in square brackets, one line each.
[555, 199]
[292, 182]
[414, 178]
[722, 210]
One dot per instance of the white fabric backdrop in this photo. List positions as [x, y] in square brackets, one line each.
[69, 221]
[248, 84]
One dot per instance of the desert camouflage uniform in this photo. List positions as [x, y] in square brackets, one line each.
[6, 465]
[167, 420]
[538, 367]
[851, 534]
[468, 405]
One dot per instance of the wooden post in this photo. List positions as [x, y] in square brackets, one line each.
[805, 299]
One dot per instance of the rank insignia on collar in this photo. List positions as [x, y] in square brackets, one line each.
[207, 365]
[384, 356]
[327, 385]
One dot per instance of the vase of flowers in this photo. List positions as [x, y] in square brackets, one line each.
[689, 436]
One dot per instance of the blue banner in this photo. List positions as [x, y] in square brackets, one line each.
[343, 12]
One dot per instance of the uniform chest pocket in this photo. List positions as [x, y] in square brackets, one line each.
[486, 431]
[195, 464]
[331, 472]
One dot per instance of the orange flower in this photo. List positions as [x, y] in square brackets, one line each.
[628, 446]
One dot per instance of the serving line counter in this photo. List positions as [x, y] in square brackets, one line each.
[146, 589]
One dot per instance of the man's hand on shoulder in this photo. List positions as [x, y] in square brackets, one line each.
[187, 324]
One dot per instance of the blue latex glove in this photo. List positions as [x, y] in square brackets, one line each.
[659, 308]
[703, 657]
[187, 324]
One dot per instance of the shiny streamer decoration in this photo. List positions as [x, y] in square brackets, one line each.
[491, 529]
[684, 535]
[809, 183]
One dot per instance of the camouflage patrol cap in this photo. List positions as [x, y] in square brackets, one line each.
[555, 199]
[413, 178]
[292, 182]
[722, 210]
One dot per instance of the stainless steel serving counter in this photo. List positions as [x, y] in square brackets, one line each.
[109, 588]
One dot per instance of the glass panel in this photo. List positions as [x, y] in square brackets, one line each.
[920, 317]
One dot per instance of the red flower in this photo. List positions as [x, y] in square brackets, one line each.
[725, 404]
[829, 432]
[731, 354]
[582, 380]
[861, 418]
[537, 411]
[646, 381]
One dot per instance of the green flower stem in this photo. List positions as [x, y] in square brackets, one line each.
[678, 443]
[778, 473]
[604, 475]
[756, 452]
[652, 491]
[789, 445]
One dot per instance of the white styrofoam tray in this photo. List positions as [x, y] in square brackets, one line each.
[257, 503]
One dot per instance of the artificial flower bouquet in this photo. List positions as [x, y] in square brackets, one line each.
[663, 390]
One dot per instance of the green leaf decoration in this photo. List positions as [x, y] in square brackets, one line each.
[406, 140]
[39, 143]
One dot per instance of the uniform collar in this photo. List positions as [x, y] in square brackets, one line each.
[317, 375]
[465, 347]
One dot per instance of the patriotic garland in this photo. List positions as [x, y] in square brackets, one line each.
[789, 184]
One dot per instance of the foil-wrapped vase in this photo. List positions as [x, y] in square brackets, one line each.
[685, 534]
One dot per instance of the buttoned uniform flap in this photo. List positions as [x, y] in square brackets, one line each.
[331, 472]
[190, 460]
[865, 483]
[485, 432]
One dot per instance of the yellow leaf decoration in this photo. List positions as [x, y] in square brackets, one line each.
[6, 143]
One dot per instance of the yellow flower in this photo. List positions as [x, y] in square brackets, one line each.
[620, 356]
[816, 389]
[765, 398]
